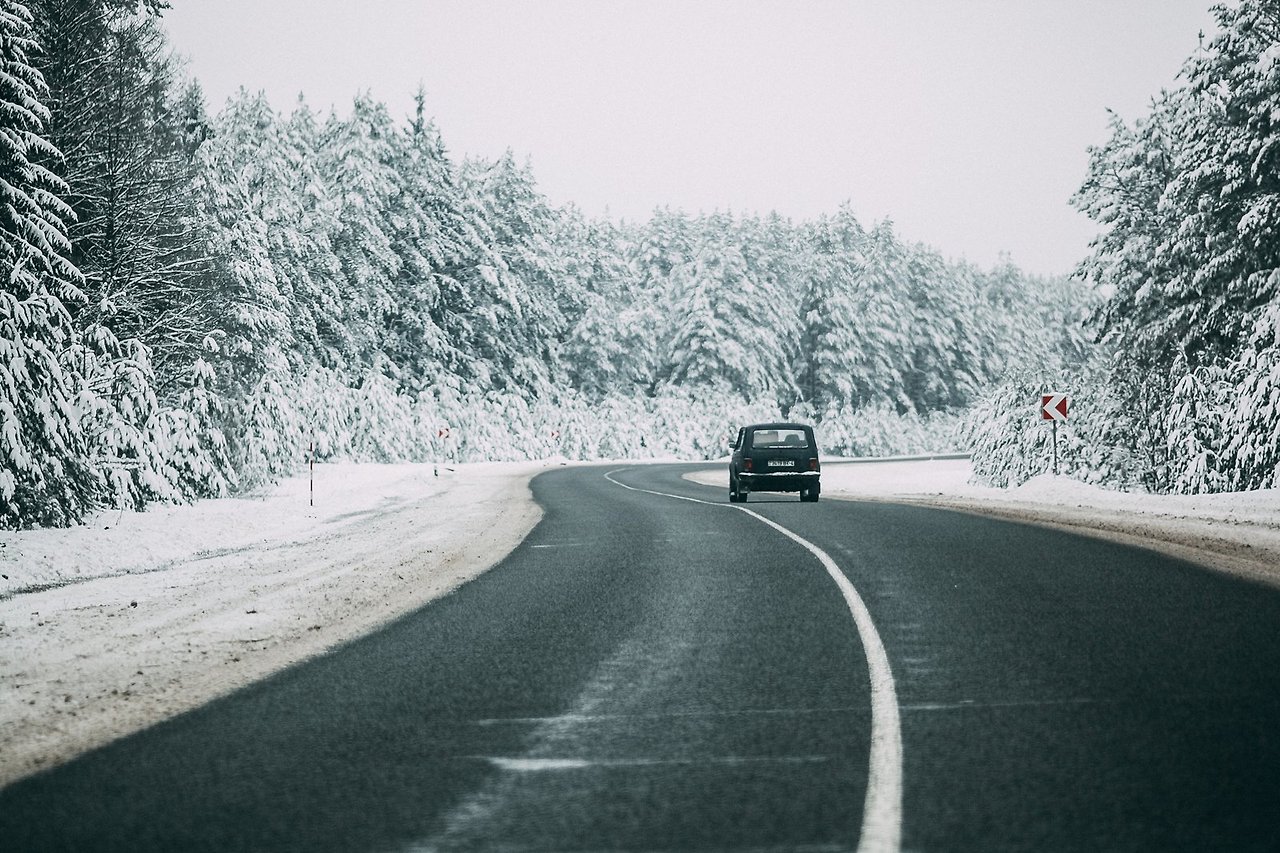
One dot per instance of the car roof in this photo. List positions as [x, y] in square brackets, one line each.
[778, 425]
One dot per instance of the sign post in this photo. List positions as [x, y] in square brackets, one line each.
[442, 435]
[1053, 408]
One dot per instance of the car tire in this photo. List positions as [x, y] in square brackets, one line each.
[809, 496]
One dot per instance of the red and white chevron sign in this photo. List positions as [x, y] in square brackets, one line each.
[1053, 407]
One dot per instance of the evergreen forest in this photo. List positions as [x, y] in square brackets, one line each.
[199, 297]
[1180, 392]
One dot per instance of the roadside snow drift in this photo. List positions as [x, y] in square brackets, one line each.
[135, 617]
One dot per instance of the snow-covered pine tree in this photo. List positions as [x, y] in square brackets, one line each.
[879, 366]
[770, 248]
[247, 192]
[1190, 200]
[857, 311]
[192, 449]
[116, 112]
[434, 238]
[1123, 192]
[730, 324]
[358, 156]
[1193, 432]
[44, 477]
[943, 361]
[653, 251]
[302, 223]
[608, 345]
[516, 323]
[247, 198]
[1251, 425]
[835, 259]
[1226, 190]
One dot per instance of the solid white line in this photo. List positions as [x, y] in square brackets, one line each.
[882, 808]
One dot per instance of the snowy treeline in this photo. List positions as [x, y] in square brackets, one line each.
[191, 299]
[1183, 395]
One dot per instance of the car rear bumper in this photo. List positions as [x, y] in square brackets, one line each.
[780, 481]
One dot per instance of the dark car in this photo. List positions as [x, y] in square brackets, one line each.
[778, 457]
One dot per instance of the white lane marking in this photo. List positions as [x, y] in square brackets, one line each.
[882, 808]
[670, 715]
[540, 765]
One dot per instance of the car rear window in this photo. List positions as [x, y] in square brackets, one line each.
[779, 438]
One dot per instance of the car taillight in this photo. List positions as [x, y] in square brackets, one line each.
[746, 464]
[813, 464]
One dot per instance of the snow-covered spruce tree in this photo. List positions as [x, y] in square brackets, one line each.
[268, 432]
[1251, 426]
[1189, 199]
[302, 221]
[44, 476]
[381, 420]
[192, 450]
[1124, 192]
[883, 311]
[943, 368]
[434, 239]
[857, 347]
[770, 248]
[517, 318]
[1193, 432]
[1235, 185]
[243, 190]
[730, 323]
[835, 260]
[655, 250]
[357, 159]
[1227, 187]
[117, 114]
[609, 348]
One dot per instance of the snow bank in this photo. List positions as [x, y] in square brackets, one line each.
[116, 543]
[135, 617]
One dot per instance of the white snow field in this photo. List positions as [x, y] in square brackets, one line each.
[135, 617]
[1237, 532]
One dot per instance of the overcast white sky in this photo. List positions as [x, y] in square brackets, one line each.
[964, 122]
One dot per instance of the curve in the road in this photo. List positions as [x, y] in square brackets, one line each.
[882, 808]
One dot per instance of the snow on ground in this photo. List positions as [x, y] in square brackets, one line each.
[135, 617]
[1238, 532]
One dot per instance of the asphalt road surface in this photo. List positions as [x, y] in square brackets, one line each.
[649, 673]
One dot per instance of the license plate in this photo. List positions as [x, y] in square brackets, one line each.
[781, 463]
